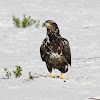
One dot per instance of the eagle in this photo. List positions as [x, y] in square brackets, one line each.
[55, 50]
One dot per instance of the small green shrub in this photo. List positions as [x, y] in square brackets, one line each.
[16, 22]
[30, 73]
[18, 73]
[25, 22]
[8, 74]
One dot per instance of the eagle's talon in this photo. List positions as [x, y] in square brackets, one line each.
[51, 75]
[62, 76]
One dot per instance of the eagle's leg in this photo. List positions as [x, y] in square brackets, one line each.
[50, 70]
[51, 75]
[62, 76]
[63, 70]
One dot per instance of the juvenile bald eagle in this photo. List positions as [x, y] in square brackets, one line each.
[55, 49]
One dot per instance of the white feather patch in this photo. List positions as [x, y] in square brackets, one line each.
[55, 55]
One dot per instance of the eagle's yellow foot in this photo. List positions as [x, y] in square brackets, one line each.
[51, 75]
[62, 77]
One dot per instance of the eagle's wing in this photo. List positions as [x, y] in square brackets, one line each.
[66, 51]
[43, 50]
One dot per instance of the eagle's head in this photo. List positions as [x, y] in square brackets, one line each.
[50, 25]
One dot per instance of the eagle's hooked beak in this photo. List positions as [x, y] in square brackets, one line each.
[43, 25]
[46, 24]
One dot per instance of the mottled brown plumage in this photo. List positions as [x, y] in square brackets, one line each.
[55, 49]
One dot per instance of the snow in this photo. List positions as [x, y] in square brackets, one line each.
[78, 21]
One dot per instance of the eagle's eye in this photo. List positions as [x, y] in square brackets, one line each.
[53, 23]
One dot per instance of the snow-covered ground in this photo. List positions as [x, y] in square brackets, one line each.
[78, 21]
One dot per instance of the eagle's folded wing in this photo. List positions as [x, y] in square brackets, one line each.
[66, 51]
[42, 52]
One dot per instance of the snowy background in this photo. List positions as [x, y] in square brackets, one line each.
[78, 21]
